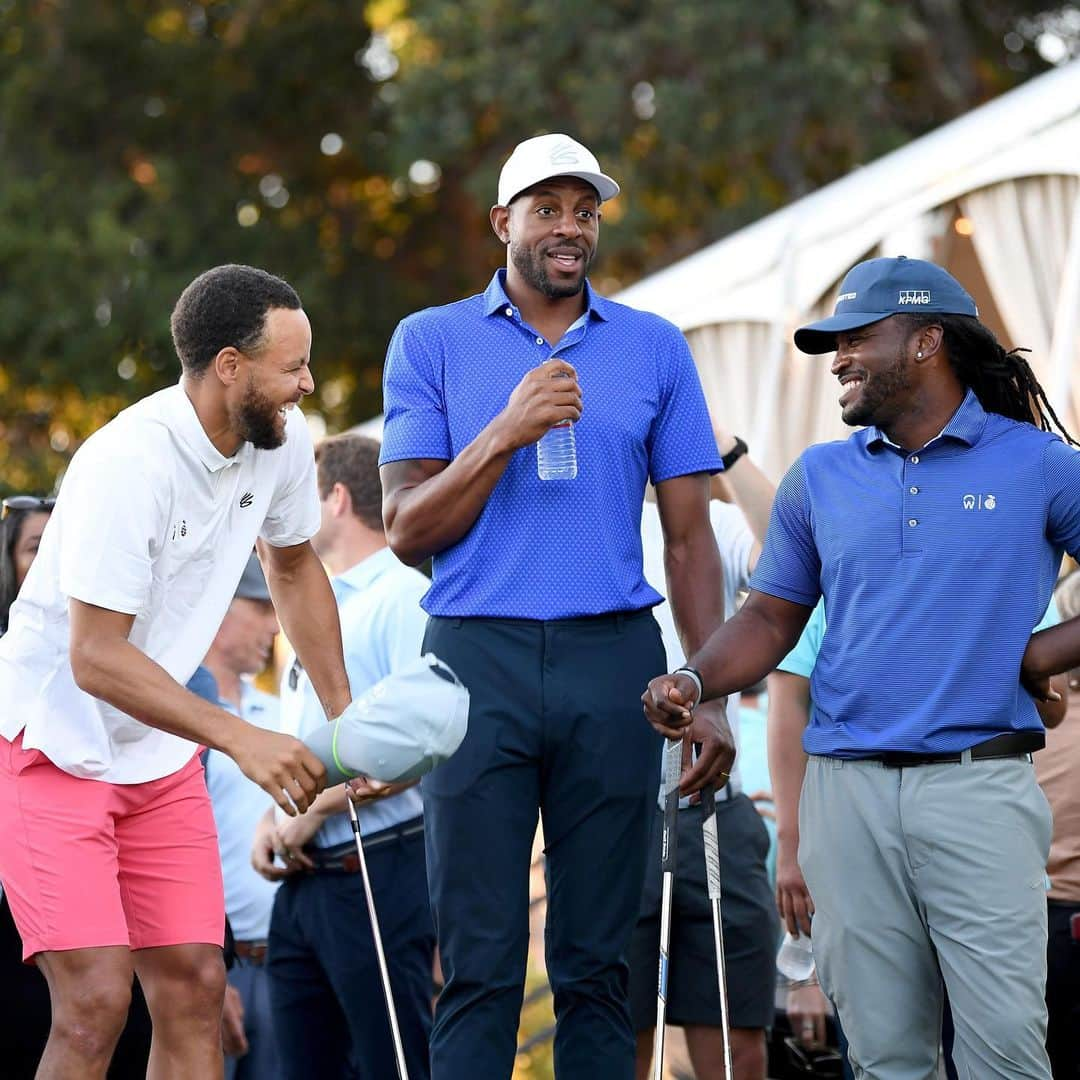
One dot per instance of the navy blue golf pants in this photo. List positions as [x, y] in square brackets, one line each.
[556, 727]
[330, 1016]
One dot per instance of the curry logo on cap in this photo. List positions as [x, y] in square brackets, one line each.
[564, 154]
[548, 156]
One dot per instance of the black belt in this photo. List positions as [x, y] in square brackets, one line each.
[1007, 745]
[342, 858]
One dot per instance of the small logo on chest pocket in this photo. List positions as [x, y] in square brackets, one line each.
[979, 502]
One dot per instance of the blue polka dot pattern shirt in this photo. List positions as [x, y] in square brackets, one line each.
[551, 549]
[935, 564]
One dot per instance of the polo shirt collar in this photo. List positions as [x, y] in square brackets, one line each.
[189, 428]
[966, 425]
[496, 300]
[365, 573]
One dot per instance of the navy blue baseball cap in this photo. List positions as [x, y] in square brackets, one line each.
[878, 288]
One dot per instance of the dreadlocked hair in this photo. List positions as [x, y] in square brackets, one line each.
[1002, 380]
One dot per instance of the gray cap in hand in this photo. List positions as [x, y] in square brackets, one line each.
[399, 729]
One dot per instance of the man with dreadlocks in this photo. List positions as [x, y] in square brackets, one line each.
[934, 535]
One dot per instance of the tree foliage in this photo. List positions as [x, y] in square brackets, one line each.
[354, 150]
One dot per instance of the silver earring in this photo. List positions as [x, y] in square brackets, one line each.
[919, 355]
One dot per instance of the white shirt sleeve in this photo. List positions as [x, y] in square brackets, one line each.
[114, 518]
[293, 515]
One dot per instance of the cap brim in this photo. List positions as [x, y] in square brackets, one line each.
[606, 188]
[820, 337]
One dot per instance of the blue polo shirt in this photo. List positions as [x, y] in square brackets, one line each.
[552, 549]
[935, 564]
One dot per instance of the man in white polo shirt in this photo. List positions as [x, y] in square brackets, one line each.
[107, 844]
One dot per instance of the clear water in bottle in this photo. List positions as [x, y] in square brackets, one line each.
[556, 454]
[795, 960]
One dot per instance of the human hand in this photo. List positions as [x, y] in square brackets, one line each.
[264, 848]
[668, 700]
[292, 834]
[233, 1037]
[807, 1008]
[548, 395]
[363, 789]
[709, 729]
[792, 896]
[281, 765]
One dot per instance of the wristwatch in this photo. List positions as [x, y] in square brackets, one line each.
[734, 453]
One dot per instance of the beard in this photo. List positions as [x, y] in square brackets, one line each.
[257, 419]
[872, 406]
[530, 264]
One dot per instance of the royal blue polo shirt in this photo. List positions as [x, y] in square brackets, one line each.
[935, 564]
[548, 549]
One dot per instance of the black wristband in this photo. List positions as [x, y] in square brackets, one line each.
[734, 453]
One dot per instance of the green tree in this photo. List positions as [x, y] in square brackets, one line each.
[354, 150]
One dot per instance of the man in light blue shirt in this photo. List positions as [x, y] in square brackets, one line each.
[240, 649]
[322, 962]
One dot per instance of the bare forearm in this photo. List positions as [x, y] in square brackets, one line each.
[1054, 651]
[754, 493]
[115, 671]
[749, 645]
[308, 613]
[787, 759]
[695, 580]
[428, 518]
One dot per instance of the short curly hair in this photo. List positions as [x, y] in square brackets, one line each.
[226, 306]
[352, 460]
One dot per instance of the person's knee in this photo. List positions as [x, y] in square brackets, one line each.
[748, 1053]
[90, 1016]
[189, 987]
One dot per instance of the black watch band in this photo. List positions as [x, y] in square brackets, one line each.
[734, 453]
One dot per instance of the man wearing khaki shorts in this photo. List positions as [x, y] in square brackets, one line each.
[107, 846]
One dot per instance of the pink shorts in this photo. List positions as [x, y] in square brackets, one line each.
[86, 863]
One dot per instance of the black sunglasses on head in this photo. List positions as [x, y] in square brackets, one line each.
[25, 502]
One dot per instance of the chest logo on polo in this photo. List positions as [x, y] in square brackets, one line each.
[914, 296]
[246, 500]
[979, 502]
[179, 528]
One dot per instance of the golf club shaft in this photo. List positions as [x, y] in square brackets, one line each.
[672, 772]
[712, 875]
[399, 1049]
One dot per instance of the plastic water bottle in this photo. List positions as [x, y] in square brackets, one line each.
[556, 454]
[795, 960]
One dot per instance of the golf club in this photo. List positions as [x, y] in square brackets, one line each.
[399, 1050]
[712, 874]
[672, 773]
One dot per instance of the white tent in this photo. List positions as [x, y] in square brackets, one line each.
[994, 196]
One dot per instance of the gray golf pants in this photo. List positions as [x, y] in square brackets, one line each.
[925, 873]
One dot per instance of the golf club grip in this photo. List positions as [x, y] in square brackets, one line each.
[672, 775]
[711, 840]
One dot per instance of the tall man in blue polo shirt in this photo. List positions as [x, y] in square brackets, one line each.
[539, 604]
[935, 535]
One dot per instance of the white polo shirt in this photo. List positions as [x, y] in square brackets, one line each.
[152, 521]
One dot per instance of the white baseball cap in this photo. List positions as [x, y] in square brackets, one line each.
[551, 155]
[398, 730]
